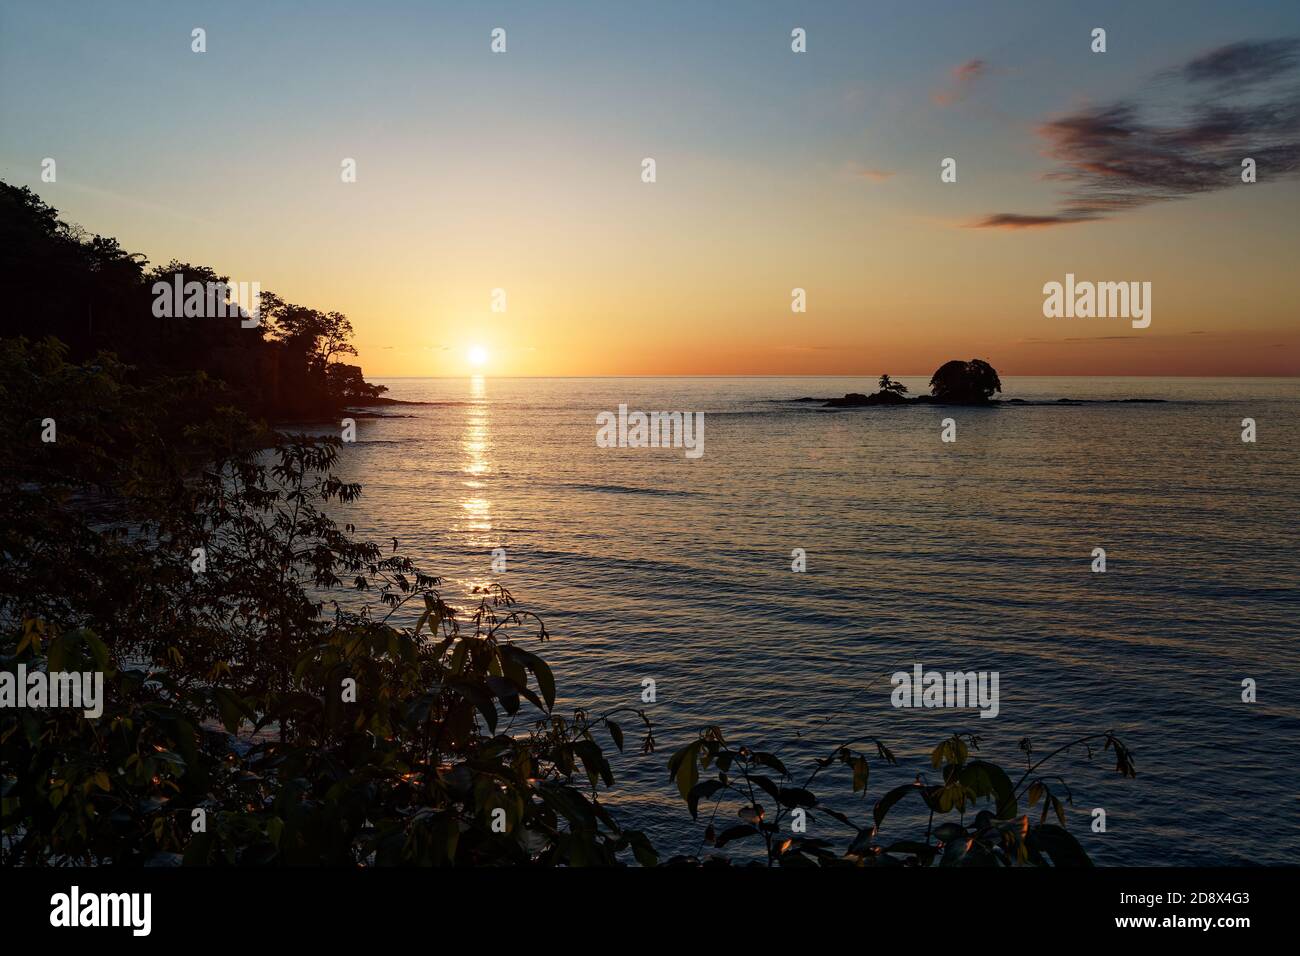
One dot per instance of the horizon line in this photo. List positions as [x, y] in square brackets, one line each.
[829, 375]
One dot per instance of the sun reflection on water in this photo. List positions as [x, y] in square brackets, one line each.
[477, 444]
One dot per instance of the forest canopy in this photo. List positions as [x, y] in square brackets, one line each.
[94, 296]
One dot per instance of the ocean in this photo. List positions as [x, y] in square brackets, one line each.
[971, 555]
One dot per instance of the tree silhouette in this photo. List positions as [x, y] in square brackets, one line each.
[94, 296]
[887, 384]
[325, 334]
[972, 382]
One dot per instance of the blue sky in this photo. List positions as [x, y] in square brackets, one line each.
[475, 166]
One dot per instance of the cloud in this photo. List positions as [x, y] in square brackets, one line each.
[858, 171]
[1237, 101]
[969, 71]
[1012, 220]
[963, 78]
[1245, 63]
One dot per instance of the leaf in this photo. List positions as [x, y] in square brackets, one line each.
[734, 833]
[884, 804]
[948, 832]
[505, 691]
[419, 625]
[642, 849]
[1057, 843]
[233, 709]
[766, 785]
[861, 843]
[937, 755]
[999, 787]
[175, 760]
[770, 760]
[701, 791]
[594, 761]
[835, 814]
[683, 767]
[480, 696]
[791, 797]
[541, 671]
[615, 733]
[432, 614]
[545, 681]
[861, 774]
[954, 853]
[948, 798]
[457, 663]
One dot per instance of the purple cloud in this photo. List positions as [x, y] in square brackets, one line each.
[1113, 158]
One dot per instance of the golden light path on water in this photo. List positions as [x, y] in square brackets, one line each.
[476, 444]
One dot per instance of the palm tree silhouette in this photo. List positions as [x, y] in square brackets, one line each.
[889, 385]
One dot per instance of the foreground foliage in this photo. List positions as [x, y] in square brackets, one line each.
[755, 788]
[265, 706]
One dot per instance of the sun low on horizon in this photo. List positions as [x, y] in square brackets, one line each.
[859, 204]
[465, 435]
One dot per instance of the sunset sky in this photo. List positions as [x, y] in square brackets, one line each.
[776, 170]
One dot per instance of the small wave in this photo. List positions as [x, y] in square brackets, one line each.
[625, 490]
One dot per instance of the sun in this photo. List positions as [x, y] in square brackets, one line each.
[477, 356]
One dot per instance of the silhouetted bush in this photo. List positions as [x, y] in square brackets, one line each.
[972, 382]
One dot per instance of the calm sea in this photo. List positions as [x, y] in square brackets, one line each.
[972, 555]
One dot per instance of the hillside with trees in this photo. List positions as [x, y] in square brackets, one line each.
[96, 297]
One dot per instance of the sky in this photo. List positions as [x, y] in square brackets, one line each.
[775, 170]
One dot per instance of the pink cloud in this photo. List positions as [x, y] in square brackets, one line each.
[963, 78]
